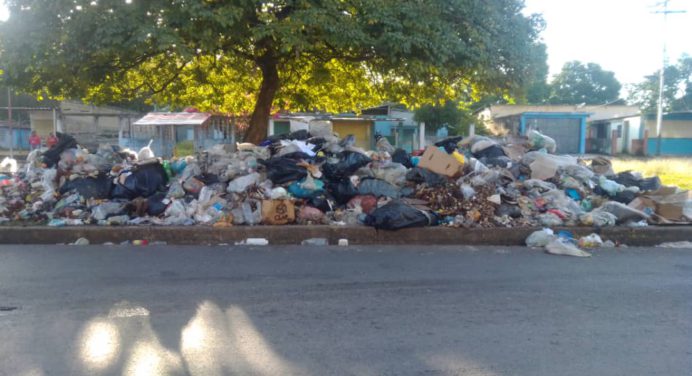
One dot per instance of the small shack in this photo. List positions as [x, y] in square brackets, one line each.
[168, 130]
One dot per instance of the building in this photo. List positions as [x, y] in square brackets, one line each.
[90, 125]
[570, 126]
[389, 120]
[676, 133]
[167, 130]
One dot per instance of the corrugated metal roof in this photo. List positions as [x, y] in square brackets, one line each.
[174, 118]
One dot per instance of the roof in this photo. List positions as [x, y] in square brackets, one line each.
[174, 118]
[597, 112]
[681, 115]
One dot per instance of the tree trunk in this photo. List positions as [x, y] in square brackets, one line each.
[259, 121]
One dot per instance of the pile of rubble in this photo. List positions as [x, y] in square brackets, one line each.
[314, 177]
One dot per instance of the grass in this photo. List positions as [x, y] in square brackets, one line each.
[672, 171]
[184, 148]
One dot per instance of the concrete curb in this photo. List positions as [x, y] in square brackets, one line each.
[356, 235]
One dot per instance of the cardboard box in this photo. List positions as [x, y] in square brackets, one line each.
[440, 162]
[278, 212]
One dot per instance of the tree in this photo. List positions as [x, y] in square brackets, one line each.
[584, 83]
[253, 57]
[677, 88]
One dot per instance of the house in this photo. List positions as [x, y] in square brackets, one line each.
[676, 133]
[90, 125]
[166, 130]
[569, 125]
[389, 120]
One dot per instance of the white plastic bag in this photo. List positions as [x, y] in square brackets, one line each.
[540, 238]
[146, 152]
[9, 165]
[564, 248]
[241, 184]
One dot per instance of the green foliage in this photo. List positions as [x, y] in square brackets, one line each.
[584, 83]
[677, 88]
[437, 116]
[244, 57]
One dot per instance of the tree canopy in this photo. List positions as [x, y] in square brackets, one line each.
[584, 83]
[677, 88]
[253, 57]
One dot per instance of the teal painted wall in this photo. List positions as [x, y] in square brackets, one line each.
[671, 146]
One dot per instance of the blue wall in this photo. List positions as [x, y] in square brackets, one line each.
[671, 146]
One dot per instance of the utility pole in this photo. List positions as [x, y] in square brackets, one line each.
[9, 121]
[659, 106]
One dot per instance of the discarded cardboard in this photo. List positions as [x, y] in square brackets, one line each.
[278, 212]
[440, 162]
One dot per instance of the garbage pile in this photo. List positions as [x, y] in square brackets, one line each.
[314, 177]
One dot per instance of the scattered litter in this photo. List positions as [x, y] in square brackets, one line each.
[343, 242]
[565, 248]
[680, 244]
[81, 241]
[253, 241]
[315, 241]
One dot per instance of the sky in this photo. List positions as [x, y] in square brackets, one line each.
[623, 36]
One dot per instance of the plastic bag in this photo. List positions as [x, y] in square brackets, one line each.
[449, 144]
[284, 170]
[392, 173]
[423, 175]
[342, 191]
[609, 186]
[630, 179]
[252, 212]
[538, 140]
[146, 153]
[176, 190]
[401, 156]
[363, 204]
[378, 188]
[623, 212]
[99, 187]
[9, 165]
[107, 209]
[565, 248]
[143, 181]
[590, 241]
[549, 220]
[52, 156]
[598, 219]
[241, 184]
[349, 163]
[540, 238]
[305, 188]
[310, 214]
[397, 215]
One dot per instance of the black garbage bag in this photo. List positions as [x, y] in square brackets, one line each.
[143, 181]
[423, 175]
[300, 135]
[450, 143]
[397, 215]
[378, 188]
[625, 197]
[492, 151]
[52, 156]
[512, 211]
[500, 161]
[401, 156]
[157, 204]
[208, 179]
[98, 188]
[342, 191]
[348, 164]
[321, 201]
[628, 179]
[282, 170]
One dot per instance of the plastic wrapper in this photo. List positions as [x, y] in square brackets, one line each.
[549, 219]
[590, 241]
[598, 219]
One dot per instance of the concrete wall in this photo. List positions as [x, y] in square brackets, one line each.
[670, 128]
[361, 129]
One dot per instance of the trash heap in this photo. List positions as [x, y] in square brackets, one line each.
[314, 177]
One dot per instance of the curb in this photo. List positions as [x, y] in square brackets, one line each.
[356, 235]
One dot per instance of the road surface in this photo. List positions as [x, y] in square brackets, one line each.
[117, 310]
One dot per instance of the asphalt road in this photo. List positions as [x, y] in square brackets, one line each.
[92, 310]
